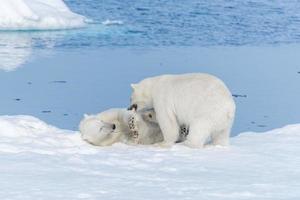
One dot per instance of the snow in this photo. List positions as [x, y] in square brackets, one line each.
[38, 15]
[39, 161]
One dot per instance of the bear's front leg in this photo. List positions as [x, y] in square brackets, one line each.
[169, 127]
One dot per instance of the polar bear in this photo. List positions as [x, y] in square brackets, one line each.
[200, 101]
[120, 125]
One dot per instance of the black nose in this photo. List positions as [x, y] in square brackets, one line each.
[113, 127]
[133, 106]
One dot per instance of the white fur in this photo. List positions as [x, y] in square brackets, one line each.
[147, 126]
[98, 129]
[202, 102]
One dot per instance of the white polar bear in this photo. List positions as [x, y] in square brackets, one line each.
[199, 101]
[118, 125]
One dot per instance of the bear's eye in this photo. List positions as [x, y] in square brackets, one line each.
[150, 115]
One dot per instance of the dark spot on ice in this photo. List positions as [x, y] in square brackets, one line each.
[261, 126]
[66, 114]
[142, 9]
[252, 122]
[299, 72]
[266, 116]
[46, 111]
[58, 82]
[29, 83]
[239, 95]
[17, 99]
[136, 32]
[229, 7]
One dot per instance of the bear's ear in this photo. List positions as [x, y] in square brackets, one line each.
[133, 86]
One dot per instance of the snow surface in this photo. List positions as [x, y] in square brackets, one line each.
[39, 161]
[38, 15]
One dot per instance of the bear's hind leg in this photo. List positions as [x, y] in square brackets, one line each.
[199, 133]
[221, 137]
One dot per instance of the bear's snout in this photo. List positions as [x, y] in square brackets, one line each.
[133, 107]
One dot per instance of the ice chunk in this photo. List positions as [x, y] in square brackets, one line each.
[112, 22]
[38, 15]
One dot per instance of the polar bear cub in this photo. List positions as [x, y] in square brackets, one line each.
[199, 101]
[120, 125]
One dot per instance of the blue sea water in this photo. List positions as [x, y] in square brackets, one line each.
[178, 22]
[193, 22]
[252, 45]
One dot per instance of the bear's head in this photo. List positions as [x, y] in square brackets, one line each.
[141, 97]
[97, 132]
